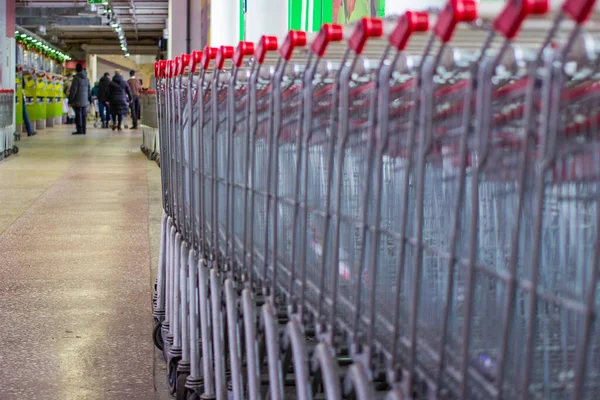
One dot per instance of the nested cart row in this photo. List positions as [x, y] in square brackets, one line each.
[382, 212]
[150, 139]
[7, 134]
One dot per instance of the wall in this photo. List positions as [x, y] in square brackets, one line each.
[109, 64]
[276, 17]
[144, 72]
[103, 65]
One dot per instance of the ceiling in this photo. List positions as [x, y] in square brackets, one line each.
[74, 27]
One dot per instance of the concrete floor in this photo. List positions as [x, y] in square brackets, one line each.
[79, 232]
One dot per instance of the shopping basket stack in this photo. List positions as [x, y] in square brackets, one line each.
[7, 104]
[398, 209]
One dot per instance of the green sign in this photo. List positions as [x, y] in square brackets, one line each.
[96, 1]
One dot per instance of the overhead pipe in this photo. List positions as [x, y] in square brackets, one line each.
[53, 4]
[134, 19]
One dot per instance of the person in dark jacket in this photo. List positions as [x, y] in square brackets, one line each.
[103, 99]
[136, 90]
[119, 96]
[79, 98]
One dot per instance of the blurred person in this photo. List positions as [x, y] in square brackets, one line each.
[119, 97]
[26, 122]
[136, 91]
[30, 131]
[103, 109]
[95, 90]
[79, 98]
[66, 92]
[95, 100]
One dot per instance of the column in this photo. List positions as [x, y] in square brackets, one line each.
[177, 26]
[91, 61]
[196, 25]
[401, 6]
[225, 22]
[266, 17]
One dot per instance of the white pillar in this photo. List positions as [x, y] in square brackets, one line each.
[401, 6]
[266, 17]
[92, 68]
[224, 22]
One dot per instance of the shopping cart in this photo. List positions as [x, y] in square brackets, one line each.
[7, 133]
[376, 212]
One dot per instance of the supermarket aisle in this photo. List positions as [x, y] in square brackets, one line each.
[75, 297]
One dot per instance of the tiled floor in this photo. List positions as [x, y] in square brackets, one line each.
[78, 216]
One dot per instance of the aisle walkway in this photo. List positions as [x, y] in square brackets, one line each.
[75, 275]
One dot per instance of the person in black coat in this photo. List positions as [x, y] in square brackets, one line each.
[119, 97]
[79, 97]
[103, 99]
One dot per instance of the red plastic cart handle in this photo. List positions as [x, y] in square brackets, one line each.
[455, 12]
[408, 23]
[177, 66]
[171, 68]
[328, 33]
[292, 40]
[162, 65]
[185, 62]
[243, 49]
[265, 44]
[196, 58]
[208, 54]
[366, 28]
[578, 10]
[509, 21]
[225, 53]
[156, 70]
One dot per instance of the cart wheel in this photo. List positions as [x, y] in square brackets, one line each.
[191, 395]
[157, 336]
[15, 149]
[172, 375]
[181, 391]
